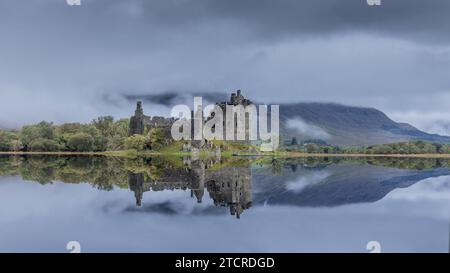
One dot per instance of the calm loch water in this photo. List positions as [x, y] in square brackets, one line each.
[217, 205]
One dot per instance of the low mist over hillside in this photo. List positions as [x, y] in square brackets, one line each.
[347, 125]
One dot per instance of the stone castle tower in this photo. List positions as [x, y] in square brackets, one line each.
[139, 122]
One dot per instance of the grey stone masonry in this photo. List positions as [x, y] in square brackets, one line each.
[139, 122]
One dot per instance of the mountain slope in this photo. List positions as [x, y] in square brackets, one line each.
[335, 184]
[347, 125]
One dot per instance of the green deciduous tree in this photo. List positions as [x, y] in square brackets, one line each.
[31, 133]
[44, 145]
[9, 141]
[136, 142]
[119, 132]
[156, 138]
[104, 125]
[81, 142]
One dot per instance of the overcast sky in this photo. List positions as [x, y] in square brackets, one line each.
[72, 63]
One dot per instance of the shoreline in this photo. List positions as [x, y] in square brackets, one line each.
[279, 155]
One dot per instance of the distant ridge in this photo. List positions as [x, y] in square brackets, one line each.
[348, 125]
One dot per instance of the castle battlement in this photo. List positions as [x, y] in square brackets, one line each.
[140, 121]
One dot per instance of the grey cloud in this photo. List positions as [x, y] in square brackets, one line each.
[412, 19]
[306, 130]
[60, 62]
[114, 20]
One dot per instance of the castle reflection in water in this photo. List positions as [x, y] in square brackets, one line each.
[228, 186]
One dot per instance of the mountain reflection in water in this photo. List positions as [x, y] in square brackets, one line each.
[236, 183]
[285, 205]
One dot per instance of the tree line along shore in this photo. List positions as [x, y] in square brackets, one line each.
[106, 136]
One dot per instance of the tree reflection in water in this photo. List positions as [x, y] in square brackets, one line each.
[228, 181]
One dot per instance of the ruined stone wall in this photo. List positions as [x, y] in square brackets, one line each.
[139, 122]
[235, 100]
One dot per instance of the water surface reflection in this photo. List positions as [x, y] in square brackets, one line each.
[180, 204]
